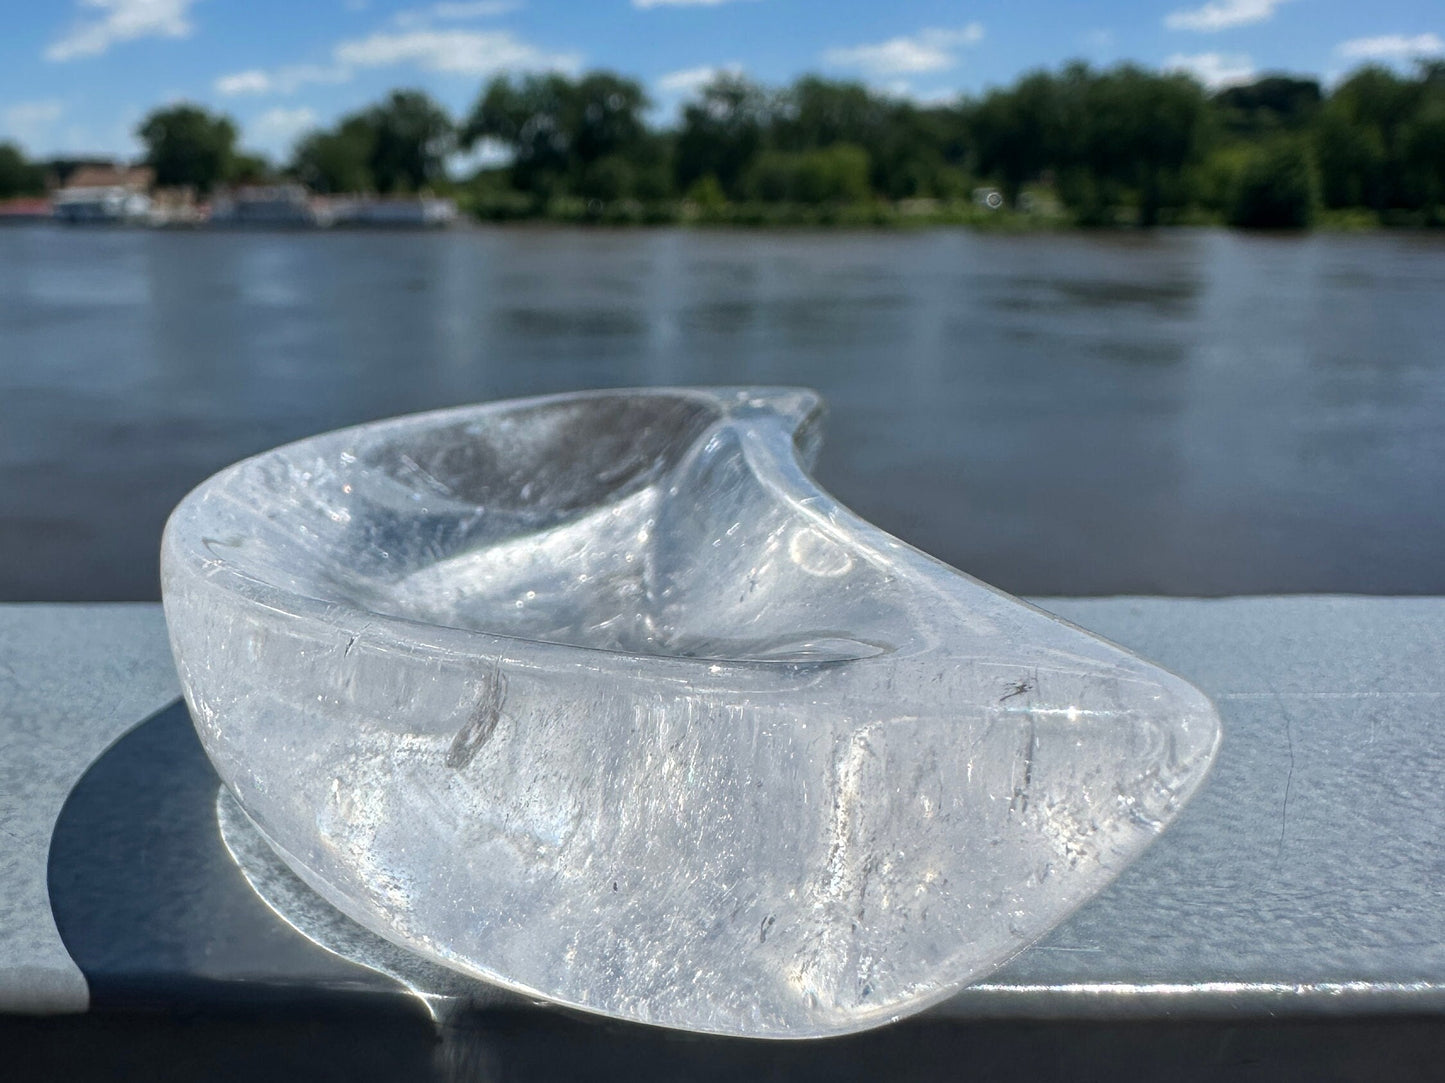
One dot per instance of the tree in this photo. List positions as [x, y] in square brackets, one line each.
[1276, 189]
[1108, 138]
[1020, 132]
[921, 152]
[815, 113]
[1362, 139]
[186, 145]
[607, 117]
[338, 160]
[18, 177]
[1136, 131]
[411, 136]
[1275, 103]
[1352, 162]
[530, 118]
[247, 168]
[1422, 141]
[834, 174]
[1424, 149]
[722, 132]
[398, 145]
[905, 144]
[582, 137]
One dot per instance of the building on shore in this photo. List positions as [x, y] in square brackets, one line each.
[114, 194]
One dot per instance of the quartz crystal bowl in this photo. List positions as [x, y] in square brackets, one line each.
[600, 698]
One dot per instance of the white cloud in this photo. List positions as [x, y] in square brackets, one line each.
[1222, 14]
[280, 125]
[1214, 70]
[678, 3]
[1392, 47]
[928, 50]
[691, 80]
[450, 51]
[285, 80]
[122, 20]
[243, 82]
[453, 52]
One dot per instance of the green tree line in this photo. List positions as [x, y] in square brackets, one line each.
[1082, 145]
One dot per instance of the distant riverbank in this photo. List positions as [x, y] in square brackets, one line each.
[1077, 146]
[909, 214]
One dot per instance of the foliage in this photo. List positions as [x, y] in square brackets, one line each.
[722, 132]
[338, 160]
[186, 145]
[250, 169]
[1140, 131]
[1276, 188]
[411, 137]
[398, 145]
[707, 193]
[1423, 148]
[819, 115]
[1361, 139]
[585, 136]
[19, 177]
[834, 174]
[1020, 132]
[1274, 103]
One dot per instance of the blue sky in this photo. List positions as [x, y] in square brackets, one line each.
[77, 75]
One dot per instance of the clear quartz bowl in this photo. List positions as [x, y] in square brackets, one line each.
[598, 697]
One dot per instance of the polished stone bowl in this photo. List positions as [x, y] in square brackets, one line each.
[600, 698]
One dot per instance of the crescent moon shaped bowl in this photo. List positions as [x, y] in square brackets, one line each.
[599, 697]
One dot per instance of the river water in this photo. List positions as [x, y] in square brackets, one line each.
[1191, 412]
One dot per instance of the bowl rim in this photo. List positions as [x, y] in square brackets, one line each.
[793, 418]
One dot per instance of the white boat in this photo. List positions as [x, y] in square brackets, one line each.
[108, 204]
[404, 212]
[276, 205]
